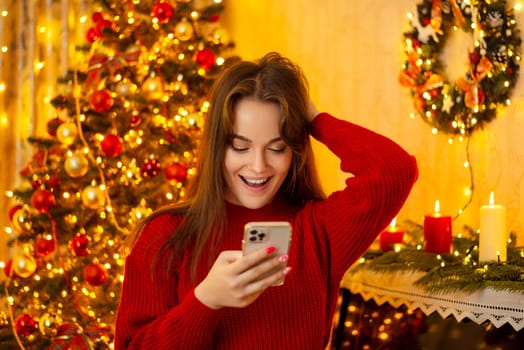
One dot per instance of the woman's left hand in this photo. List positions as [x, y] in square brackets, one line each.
[236, 280]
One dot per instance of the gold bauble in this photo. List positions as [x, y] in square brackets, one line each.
[22, 220]
[219, 36]
[66, 133]
[153, 88]
[49, 323]
[24, 265]
[184, 30]
[93, 197]
[76, 165]
[125, 88]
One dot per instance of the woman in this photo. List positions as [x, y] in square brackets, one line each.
[187, 284]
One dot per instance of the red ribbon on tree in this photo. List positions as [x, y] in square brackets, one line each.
[70, 336]
[101, 64]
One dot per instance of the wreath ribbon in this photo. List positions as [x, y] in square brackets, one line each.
[473, 97]
[436, 14]
[408, 78]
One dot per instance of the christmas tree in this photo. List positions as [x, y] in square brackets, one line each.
[121, 145]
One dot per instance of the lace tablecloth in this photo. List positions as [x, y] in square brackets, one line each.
[497, 307]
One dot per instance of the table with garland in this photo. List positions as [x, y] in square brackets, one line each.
[410, 299]
[387, 310]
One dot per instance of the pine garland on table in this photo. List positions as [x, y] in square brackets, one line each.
[459, 271]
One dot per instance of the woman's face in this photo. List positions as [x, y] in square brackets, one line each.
[257, 160]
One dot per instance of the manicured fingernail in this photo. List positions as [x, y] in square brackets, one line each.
[283, 258]
[287, 270]
[270, 250]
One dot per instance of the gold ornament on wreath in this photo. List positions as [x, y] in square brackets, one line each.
[471, 102]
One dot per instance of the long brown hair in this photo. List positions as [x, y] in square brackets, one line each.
[274, 79]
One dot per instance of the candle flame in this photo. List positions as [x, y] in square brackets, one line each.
[437, 206]
[393, 222]
[491, 199]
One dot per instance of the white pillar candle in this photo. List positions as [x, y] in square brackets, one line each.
[493, 237]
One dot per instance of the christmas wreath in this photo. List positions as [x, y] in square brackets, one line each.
[469, 103]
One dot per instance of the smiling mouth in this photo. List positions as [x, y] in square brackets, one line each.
[255, 182]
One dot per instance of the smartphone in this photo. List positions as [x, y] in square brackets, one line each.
[263, 234]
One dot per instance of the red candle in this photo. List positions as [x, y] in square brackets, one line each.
[391, 236]
[437, 232]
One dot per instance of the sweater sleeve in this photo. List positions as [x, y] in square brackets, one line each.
[382, 175]
[150, 315]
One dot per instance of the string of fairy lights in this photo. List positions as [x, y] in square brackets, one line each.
[3, 51]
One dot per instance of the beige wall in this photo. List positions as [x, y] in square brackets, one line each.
[352, 54]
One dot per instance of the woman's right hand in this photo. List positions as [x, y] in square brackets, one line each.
[235, 280]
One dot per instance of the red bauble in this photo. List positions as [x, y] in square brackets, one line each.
[7, 268]
[101, 100]
[213, 18]
[44, 247]
[95, 274]
[92, 35]
[205, 58]
[102, 25]
[35, 184]
[162, 11]
[13, 210]
[42, 200]
[111, 145]
[135, 120]
[25, 325]
[52, 125]
[97, 16]
[79, 245]
[151, 167]
[176, 172]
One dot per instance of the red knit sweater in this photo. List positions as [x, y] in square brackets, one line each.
[328, 236]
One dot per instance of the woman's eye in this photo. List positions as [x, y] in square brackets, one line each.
[278, 149]
[238, 148]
